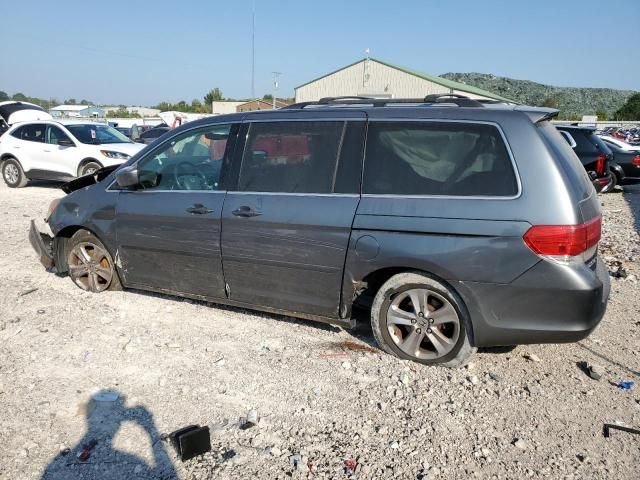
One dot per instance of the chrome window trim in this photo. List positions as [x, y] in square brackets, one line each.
[295, 194]
[447, 197]
[328, 119]
[171, 191]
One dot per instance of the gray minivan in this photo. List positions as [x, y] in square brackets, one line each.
[459, 224]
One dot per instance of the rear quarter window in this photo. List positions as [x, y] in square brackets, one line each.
[437, 158]
[33, 132]
[566, 157]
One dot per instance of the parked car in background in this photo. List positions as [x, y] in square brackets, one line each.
[625, 166]
[12, 111]
[152, 135]
[592, 152]
[137, 130]
[62, 150]
[457, 224]
[126, 131]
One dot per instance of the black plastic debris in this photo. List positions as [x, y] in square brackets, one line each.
[251, 420]
[608, 426]
[191, 441]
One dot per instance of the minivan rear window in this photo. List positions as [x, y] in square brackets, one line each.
[437, 158]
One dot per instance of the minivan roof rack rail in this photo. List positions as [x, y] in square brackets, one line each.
[444, 98]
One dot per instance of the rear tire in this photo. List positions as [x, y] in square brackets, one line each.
[615, 181]
[437, 332]
[90, 265]
[88, 168]
[13, 174]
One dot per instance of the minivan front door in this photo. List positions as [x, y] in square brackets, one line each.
[168, 229]
[286, 229]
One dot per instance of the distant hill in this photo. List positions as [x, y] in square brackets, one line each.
[571, 101]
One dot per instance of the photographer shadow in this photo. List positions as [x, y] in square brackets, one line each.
[95, 455]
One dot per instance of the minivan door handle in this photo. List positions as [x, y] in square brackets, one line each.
[199, 209]
[246, 212]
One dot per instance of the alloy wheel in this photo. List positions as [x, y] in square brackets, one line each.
[11, 173]
[423, 323]
[90, 267]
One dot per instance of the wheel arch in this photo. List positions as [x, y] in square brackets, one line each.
[364, 290]
[84, 161]
[61, 242]
[9, 156]
[617, 171]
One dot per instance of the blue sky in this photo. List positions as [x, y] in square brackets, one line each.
[142, 52]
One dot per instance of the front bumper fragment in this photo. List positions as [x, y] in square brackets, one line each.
[43, 245]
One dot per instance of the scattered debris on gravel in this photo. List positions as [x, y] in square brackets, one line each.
[322, 402]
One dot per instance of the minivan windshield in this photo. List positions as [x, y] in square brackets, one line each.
[97, 134]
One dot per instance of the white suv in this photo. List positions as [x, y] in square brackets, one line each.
[62, 150]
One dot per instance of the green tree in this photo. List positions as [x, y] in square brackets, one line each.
[214, 95]
[3, 96]
[122, 113]
[631, 109]
[71, 101]
[602, 116]
[21, 97]
[550, 103]
[196, 105]
[267, 96]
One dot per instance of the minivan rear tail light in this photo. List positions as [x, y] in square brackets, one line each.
[635, 161]
[600, 161]
[563, 242]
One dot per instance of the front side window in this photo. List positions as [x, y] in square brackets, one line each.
[54, 134]
[190, 161]
[33, 132]
[291, 157]
[431, 158]
[97, 134]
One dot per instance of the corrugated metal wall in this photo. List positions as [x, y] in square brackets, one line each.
[370, 78]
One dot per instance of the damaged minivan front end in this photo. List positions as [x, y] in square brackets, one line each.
[44, 241]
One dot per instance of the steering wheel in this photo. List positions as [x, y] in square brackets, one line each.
[184, 173]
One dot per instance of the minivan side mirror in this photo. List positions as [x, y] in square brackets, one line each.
[127, 177]
[66, 142]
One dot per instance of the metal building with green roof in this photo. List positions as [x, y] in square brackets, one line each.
[373, 77]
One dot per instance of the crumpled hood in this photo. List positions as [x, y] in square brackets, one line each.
[87, 180]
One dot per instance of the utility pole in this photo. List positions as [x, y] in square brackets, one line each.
[365, 70]
[275, 87]
[253, 51]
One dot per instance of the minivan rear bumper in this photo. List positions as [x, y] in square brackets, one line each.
[550, 303]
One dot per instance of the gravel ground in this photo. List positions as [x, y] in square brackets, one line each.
[328, 403]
